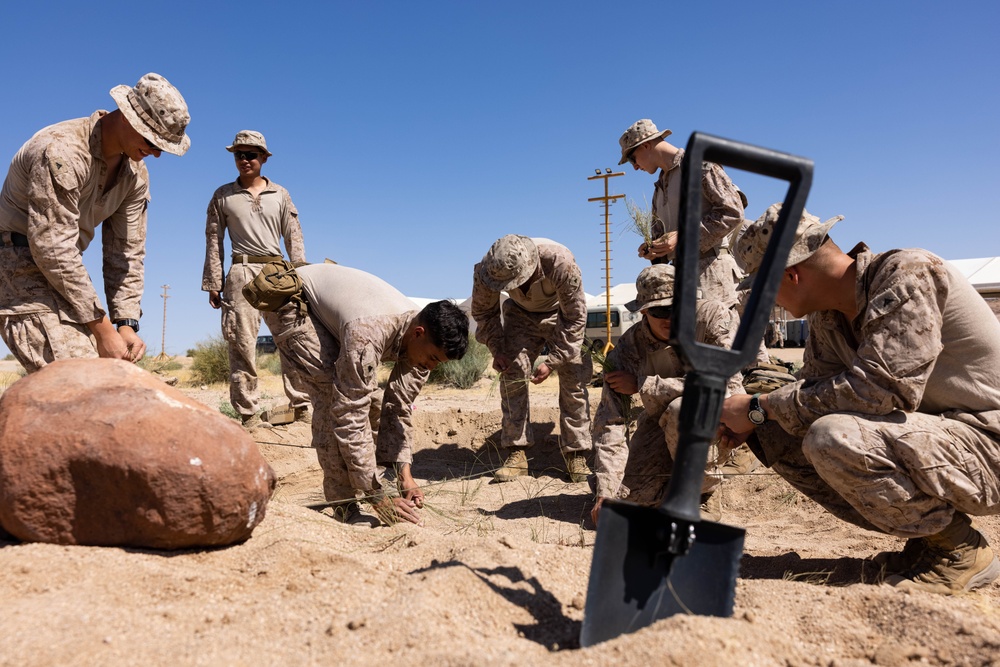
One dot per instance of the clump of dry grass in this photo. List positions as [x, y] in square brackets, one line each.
[641, 220]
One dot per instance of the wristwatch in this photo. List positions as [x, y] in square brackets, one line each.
[127, 323]
[756, 413]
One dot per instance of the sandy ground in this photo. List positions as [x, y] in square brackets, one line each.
[496, 575]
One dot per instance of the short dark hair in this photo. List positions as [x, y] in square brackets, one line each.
[448, 327]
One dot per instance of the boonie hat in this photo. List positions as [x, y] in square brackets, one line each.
[509, 263]
[653, 287]
[753, 240]
[249, 138]
[157, 111]
[637, 134]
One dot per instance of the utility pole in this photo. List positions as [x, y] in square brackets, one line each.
[163, 339]
[608, 199]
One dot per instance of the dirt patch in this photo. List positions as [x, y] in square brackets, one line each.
[496, 575]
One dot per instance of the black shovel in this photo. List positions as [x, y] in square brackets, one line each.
[650, 563]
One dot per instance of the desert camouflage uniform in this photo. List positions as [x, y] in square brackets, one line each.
[355, 427]
[54, 195]
[256, 226]
[640, 468]
[895, 422]
[553, 313]
[722, 212]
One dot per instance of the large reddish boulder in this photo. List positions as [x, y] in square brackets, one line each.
[100, 452]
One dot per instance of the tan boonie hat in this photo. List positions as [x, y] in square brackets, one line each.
[752, 243]
[249, 138]
[156, 110]
[509, 263]
[639, 133]
[653, 287]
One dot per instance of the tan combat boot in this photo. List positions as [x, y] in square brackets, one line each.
[895, 562]
[741, 461]
[955, 560]
[515, 466]
[576, 466]
[711, 507]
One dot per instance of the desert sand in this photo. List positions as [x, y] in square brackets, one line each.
[497, 574]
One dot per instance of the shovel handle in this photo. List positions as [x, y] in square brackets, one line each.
[708, 366]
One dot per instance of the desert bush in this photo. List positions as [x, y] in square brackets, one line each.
[159, 365]
[269, 362]
[210, 361]
[9, 357]
[464, 372]
[226, 408]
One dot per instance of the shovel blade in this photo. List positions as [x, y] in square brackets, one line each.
[635, 580]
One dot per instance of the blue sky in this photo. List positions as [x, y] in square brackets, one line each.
[411, 135]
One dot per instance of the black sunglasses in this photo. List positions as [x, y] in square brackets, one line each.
[631, 159]
[661, 312]
[152, 146]
[246, 155]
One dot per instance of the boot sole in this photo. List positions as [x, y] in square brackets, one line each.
[986, 577]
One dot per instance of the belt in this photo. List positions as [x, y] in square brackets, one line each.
[14, 239]
[256, 259]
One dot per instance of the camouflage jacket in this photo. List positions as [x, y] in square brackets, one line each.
[923, 341]
[660, 375]
[561, 283]
[54, 194]
[721, 206]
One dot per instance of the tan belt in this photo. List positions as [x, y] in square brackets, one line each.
[256, 259]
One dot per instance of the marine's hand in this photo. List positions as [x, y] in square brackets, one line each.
[215, 299]
[661, 247]
[622, 382]
[596, 509]
[501, 363]
[135, 346]
[110, 344]
[408, 487]
[541, 374]
[734, 414]
[394, 510]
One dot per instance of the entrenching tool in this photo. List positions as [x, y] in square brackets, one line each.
[653, 562]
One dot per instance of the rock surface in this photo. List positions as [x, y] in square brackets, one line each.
[100, 452]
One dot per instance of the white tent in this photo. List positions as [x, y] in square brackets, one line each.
[983, 273]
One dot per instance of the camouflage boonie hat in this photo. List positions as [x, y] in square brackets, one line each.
[653, 287]
[157, 111]
[752, 242]
[637, 134]
[249, 138]
[509, 263]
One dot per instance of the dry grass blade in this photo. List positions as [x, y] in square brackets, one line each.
[641, 220]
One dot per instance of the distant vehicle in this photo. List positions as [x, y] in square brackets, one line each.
[265, 345]
[597, 323]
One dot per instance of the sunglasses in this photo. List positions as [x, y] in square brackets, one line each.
[661, 312]
[249, 156]
[631, 159]
[152, 146]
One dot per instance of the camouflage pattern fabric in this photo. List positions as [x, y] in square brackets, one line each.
[894, 423]
[340, 378]
[647, 458]
[38, 339]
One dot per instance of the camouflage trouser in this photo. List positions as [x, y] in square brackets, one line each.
[525, 334]
[903, 473]
[651, 453]
[309, 351]
[31, 326]
[41, 338]
[718, 277]
[240, 327]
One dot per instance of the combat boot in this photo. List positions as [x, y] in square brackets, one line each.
[955, 560]
[741, 461]
[576, 466]
[515, 466]
[711, 507]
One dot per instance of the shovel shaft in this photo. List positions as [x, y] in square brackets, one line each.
[701, 409]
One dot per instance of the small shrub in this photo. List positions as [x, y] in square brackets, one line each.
[464, 372]
[210, 361]
[226, 408]
[269, 362]
[9, 357]
[158, 364]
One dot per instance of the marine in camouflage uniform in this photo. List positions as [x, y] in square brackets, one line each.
[894, 422]
[354, 322]
[62, 184]
[257, 213]
[644, 146]
[546, 307]
[638, 467]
